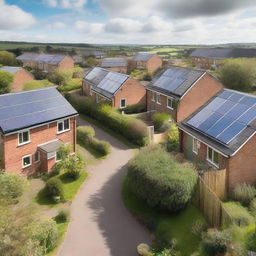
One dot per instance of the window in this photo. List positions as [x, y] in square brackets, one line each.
[170, 103]
[63, 126]
[26, 161]
[196, 145]
[97, 98]
[122, 103]
[37, 156]
[213, 157]
[24, 137]
[158, 98]
[153, 96]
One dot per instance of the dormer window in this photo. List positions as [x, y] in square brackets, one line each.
[23, 137]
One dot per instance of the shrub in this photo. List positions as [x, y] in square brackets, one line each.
[253, 207]
[61, 77]
[78, 72]
[103, 147]
[160, 120]
[133, 109]
[251, 242]
[143, 249]
[54, 190]
[147, 77]
[215, 242]
[173, 138]
[36, 84]
[244, 193]
[62, 217]
[84, 133]
[198, 227]
[12, 186]
[39, 75]
[73, 84]
[6, 79]
[73, 167]
[154, 176]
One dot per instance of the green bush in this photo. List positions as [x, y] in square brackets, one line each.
[253, 207]
[73, 84]
[36, 84]
[215, 242]
[103, 147]
[244, 193]
[62, 217]
[6, 80]
[161, 121]
[73, 167]
[84, 133]
[39, 75]
[61, 77]
[251, 242]
[155, 176]
[173, 138]
[78, 72]
[133, 109]
[54, 190]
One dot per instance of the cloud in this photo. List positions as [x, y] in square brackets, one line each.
[56, 25]
[87, 27]
[123, 25]
[157, 25]
[13, 17]
[66, 4]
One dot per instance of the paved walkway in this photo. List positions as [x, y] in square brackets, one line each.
[100, 224]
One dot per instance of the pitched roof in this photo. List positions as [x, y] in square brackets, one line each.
[10, 69]
[143, 56]
[223, 53]
[175, 81]
[226, 122]
[105, 82]
[22, 110]
[41, 58]
[114, 62]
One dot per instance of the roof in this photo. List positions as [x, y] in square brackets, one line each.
[226, 122]
[105, 82]
[51, 146]
[175, 81]
[93, 53]
[10, 69]
[22, 110]
[143, 56]
[114, 62]
[42, 58]
[223, 53]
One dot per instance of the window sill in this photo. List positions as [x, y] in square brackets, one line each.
[196, 153]
[213, 164]
[24, 167]
[24, 143]
[158, 103]
[63, 131]
[170, 108]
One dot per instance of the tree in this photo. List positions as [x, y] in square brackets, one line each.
[61, 77]
[7, 58]
[91, 62]
[6, 79]
[238, 74]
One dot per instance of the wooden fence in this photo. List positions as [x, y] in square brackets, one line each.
[209, 202]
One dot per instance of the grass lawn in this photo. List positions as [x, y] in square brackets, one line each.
[70, 189]
[166, 226]
[91, 150]
[73, 84]
[37, 84]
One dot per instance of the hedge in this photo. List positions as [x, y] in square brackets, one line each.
[132, 129]
[155, 176]
[161, 121]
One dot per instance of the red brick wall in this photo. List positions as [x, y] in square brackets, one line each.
[154, 63]
[86, 88]
[66, 63]
[205, 63]
[132, 91]
[21, 77]
[197, 96]
[13, 153]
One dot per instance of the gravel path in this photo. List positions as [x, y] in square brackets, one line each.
[100, 224]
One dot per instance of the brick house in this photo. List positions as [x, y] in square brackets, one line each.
[20, 77]
[33, 126]
[211, 58]
[179, 91]
[118, 89]
[115, 64]
[149, 61]
[222, 134]
[46, 62]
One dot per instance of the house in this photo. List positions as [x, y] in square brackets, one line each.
[148, 61]
[115, 64]
[93, 53]
[211, 58]
[33, 124]
[179, 91]
[118, 89]
[20, 77]
[222, 134]
[46, 62]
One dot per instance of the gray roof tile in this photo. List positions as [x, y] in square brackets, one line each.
[143, 56]
[114, 62]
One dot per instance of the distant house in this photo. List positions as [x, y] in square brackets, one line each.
[222, 134]
[208, 58]
[46, 62]
[115, 64]
[93, 53]
[148, 61]
[179, 91]
[33, 126]
[20, 77]
[118, 89]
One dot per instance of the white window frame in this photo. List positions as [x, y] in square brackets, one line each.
[124, 102]
[26, 142]
[196, 145]
[153, 96]
[158, 98]
[38, 160]
[172, 99]
[25, 166]
[64, 130]
[211, 161]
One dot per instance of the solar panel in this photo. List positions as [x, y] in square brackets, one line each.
[210, 121]
[198, 119]
[219, 126]
[225, 94]
[224, 108]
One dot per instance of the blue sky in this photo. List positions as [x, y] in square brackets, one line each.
[129, 21]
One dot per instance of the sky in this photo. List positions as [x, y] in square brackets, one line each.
[129, 21]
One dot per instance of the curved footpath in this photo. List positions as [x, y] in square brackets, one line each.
[100, 224]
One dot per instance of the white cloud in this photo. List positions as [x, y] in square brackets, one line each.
[66, 4]
[93, 28]
[13, 17]
[156, 24]
[56, 25]
[123, 25]
[51, 3]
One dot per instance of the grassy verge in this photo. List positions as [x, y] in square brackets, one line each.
[166, 226]
[73, 84]
[70, 189]
[109, 131]
[91, 150]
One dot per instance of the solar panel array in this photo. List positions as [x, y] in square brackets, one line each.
[114, 62]
[143, 56]
[26, 109]
[9, 69]
[41, 58]
[226, 116]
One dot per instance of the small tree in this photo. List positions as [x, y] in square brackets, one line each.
[61, 77]
[6, 79]
[91, 62]
[7, 58]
